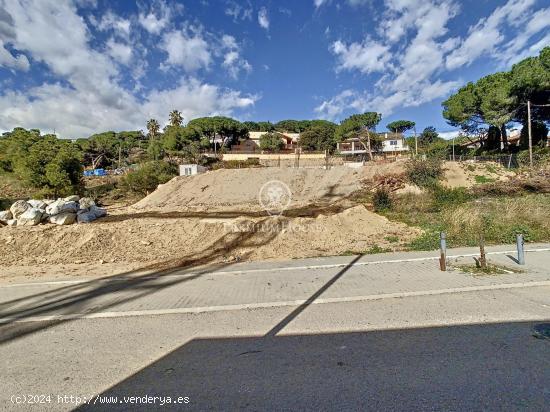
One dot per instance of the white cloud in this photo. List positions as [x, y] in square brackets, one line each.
[7, 34]
[408, 71]
[515, 50]
[369, 56]
[263, 18]
[353, 3]
[413, 54]
[157, 18]
[74, 113]
[484, 37]
[110, 21]
[319, 3]
[188, 51]
[239, 11]
[89, 97]
[232, 59]
[18, 62]
[347, 99]
[449, 135]
[120, 52]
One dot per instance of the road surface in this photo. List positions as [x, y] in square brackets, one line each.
[378, 332]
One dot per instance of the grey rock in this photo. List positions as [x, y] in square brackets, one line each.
[64, 218]
[18, 208]
[98, 211]
[86, 203]
[38, 204]
[31, 217]
[85, 217]
[73, 198]
[61, 206]
[12, 222]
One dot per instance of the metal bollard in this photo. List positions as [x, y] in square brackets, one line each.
[521, 251]
[443, 251]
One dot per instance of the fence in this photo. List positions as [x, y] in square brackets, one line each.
[509, 161]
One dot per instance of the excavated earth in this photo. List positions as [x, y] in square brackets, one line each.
[211, 218]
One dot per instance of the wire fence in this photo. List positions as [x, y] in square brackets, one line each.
[509, 161]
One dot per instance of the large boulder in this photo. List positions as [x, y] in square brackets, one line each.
[85, 217]
[86, 203]
[98, 211]
[61, 206]
[64, 218]
[30, 217]
[18, 208]
[5, 216]
[38, 204]
[73, 198]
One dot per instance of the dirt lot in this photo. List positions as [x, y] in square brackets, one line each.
[213, 218]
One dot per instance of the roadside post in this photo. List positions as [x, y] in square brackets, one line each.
[521, 251]
[482, 257]
[443, 251]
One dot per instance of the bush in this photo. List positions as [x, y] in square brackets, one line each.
[272, 142]
[148, 177]
[444, 196]
[424, 173]
[382, 199]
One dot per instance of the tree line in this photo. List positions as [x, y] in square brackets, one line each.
[55, 165]
[483, 109]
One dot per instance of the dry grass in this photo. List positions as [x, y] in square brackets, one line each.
[463, 219]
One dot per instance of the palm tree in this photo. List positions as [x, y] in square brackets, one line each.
[176, 118]
[153, 127]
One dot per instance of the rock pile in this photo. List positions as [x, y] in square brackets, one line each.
[60, 212]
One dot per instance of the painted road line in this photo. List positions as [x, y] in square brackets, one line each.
[264, 270]
[264, 305]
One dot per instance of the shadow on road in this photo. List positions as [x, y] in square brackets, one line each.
[81, 298]
[490, 367]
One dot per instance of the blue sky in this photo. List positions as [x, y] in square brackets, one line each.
[84, 66]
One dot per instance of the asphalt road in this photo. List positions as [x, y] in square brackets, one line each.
[323, 334]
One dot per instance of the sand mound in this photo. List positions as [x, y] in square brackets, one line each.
[463, 174]
[162, 231]
[238, 189]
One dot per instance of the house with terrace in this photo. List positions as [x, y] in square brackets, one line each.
[393, 145]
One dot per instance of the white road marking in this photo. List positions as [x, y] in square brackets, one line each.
[264, 270]
[263, 305]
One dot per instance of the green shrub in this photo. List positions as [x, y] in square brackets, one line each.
[429, 240]
[483, 179]
[381, 199]
[149, 175]
[444, 196]
[424, 173]
[272, 142]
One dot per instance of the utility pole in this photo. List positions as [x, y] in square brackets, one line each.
[530, 137]
[415, 142]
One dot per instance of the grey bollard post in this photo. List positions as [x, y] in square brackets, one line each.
[521, 251]
[443, 251]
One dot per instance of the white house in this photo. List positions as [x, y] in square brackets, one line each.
[191, 169]
[392, 144]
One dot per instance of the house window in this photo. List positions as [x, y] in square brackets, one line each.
[393, 142]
